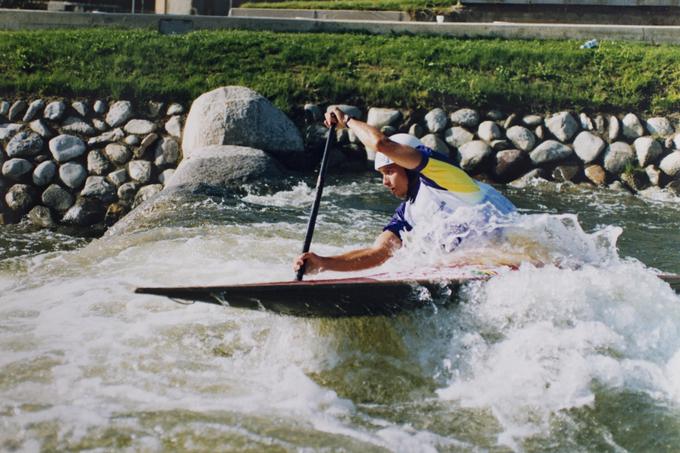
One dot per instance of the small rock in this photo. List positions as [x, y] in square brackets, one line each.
[614, 128]
[33, 110]
[348, 109]
[647, 150]
[54, 111]
[19, 198]
[527, 179]
[167, 152]
[660, 126]
[99, 107]
[118, 154]
[654, 174]
[509, 164]
[550, 151]
[435, 120]
[174, 126]
[17, 110]
[562, 125]
[16, 168]
[44, 173]
[98, 187]
[500, 145]
[24, 144]
[532, 120]
[457, 136]
[540, 132]
[85, 212]
[434, 142]
[312, 113]
[119, 113]
[75, 125]
[139, 127]
[618, 186]
[467, 118]
[670, 164]
[177, 109]
[495, 115]
[4, 108]
[100, 125]
[510, 121]
[586, 122]
[41, 216]
[489, 131]
[145, 193]
[107, 137]
[565, 173]
[632, 128]
[600, 125]
[166, 175]
[617, 156]
[40, 128]
[635, 180]
[66, 147]
[97, 163]
[132, 140]
[81, 107]
[127, 191]
[114, 213]
[473, 153]
[57, 198]
[588, 146]
[8, 130]
[118, 177]
[379, 117]
[146, 143]
[521, 137]
[673, 187]
[140, 171]
[595, 174]
[72, 174]
[154, 108]
[416, 130]
[388, 130]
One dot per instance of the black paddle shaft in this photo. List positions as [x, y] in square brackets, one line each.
[317, 200]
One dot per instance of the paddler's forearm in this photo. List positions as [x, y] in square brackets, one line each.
[356, 260]
[373, 139]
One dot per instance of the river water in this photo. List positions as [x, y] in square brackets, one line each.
[585, 357]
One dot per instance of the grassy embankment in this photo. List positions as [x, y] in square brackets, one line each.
[291, 69]
[375, 5]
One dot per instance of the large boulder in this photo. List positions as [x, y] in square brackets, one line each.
[473, 153]
[617, 156]
[237, 115]
[588, 146]
[550, 151]
[562, 125]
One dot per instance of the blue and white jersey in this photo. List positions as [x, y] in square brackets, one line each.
[441, 189]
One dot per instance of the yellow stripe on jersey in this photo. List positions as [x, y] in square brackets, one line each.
[451, 178]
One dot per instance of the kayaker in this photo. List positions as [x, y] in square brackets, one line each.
[431, 186]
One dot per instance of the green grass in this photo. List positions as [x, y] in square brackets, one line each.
[375, 5]
[290, 69]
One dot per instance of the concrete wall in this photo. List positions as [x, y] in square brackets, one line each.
[393, 16]
[576, 2]
[23, 20]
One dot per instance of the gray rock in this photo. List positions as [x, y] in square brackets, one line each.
[435, 120]
[98, 187]
[416, 130]
[532, 120]
[675, 142]
[118, 154]
[388, 130]
[521, 137]
[509, 164]
[8, 130]
[673, 187]
[100, 125]
[224, 167]
[489, 131]
[16, 168]
[632, 128]
[99, 106]
[118, 177]
[636, 180]
[34, 108]
[17, 110]
[165, 175]
[473, 153]
[154, 108]
[617, 156]
[119, 113]
[595, 174]
[457, 136]
[670, 164]
[66, 147]
[85, 212]
[72, 174]
[654, 174]
[146, 193]
[510, 121]
[139, 127]
[107, 137]
[140, 171]
[550, 151]
[97, 163]
[174, 126]
[57, 198]
[75, 125]
[240, 116]
[540, 132]
[562, 125]
[495, 115]
[81, 107]
[434, 142]
[166, 152]
[177, 109]
[132, 140]
[467, 118]
[588, 146]
[600, 125]
[348, 109]
[127, 192]
[20, 198]
[379, 117]
[44, 173]
[146, 143]
[660, 126]
[618, 186]
[40, 128]
[4, 108]
[586, 122]
[55, 111]
[313, 113]
[41, 216]
[614, 129]
[24, 144]
[647, 150]
[500, 145]
[527, 179]
[565, 173]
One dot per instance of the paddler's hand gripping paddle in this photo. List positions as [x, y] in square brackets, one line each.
[315, 207]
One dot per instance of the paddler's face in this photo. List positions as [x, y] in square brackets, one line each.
[395, 179]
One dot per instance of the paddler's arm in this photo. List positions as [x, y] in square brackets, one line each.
[372, 138]
[383, 248]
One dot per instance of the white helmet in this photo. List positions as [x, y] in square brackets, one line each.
[403, 139]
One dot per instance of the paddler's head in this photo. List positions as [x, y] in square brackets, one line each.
[396, 178]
